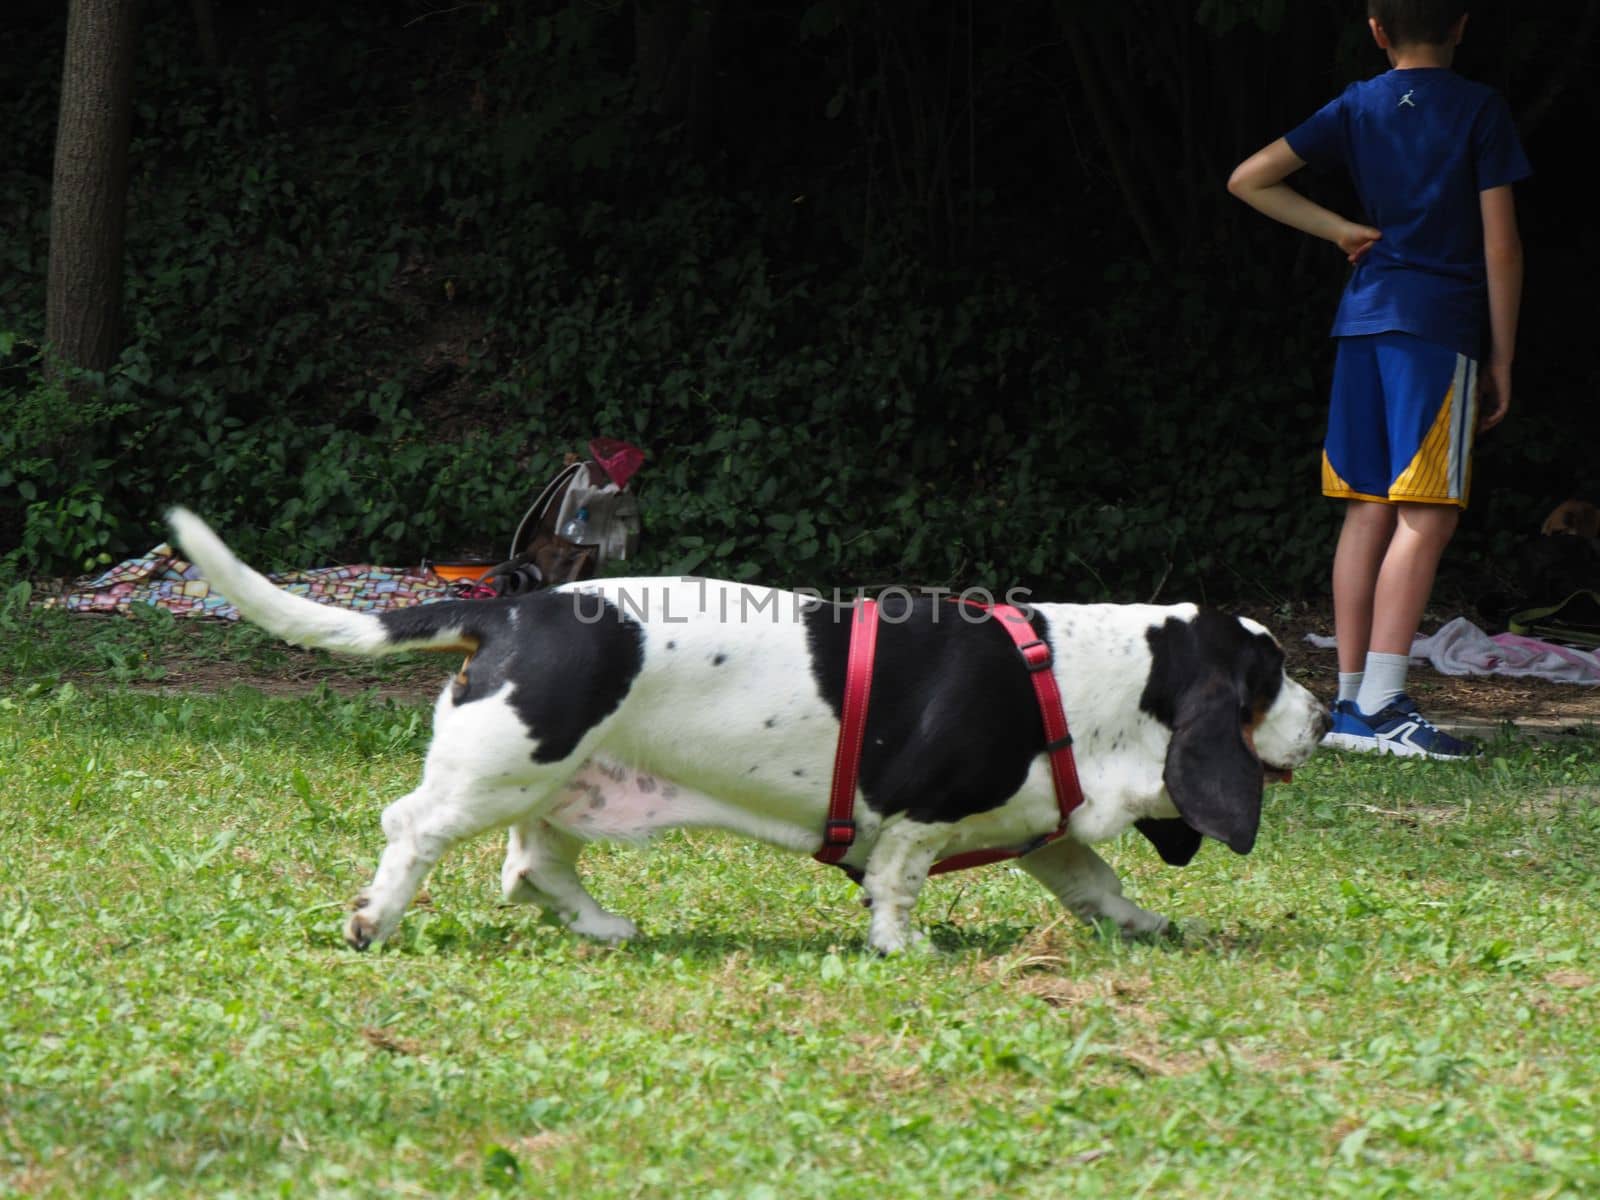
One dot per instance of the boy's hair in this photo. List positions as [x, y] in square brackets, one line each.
[1417, 22]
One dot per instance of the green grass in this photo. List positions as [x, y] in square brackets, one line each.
[1396, 994]
[150, 647]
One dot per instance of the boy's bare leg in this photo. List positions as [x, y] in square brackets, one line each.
[1405, 580]
[1364, 542]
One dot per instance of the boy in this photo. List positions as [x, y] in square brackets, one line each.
[1433, 157]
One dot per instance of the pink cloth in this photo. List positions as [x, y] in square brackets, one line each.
[1459, 647]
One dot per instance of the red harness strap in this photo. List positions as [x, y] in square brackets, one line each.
[841, 830]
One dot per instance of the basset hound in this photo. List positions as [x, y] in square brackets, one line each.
[616, 708]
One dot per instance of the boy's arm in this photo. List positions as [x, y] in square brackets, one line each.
[1259, 182]
[1502, 258]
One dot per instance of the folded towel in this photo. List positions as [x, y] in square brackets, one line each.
[1460, 648]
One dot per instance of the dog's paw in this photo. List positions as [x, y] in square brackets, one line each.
[363, 928]
[908, 940]
[1145, 924]
[1132, 922]
[605, 927]
[360, 931]
[1116, 917]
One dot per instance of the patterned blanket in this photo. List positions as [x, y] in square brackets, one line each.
[164, 580]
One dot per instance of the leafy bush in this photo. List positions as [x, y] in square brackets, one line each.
[380, 279]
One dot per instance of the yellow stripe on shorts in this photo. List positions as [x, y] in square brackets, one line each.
[1441, 471]
[1333, 485]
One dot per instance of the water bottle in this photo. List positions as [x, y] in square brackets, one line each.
[577, 529]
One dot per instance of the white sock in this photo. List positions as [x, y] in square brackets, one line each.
[1349, 684]
[1382, 681]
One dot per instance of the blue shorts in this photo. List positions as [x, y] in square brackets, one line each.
[1400, 422]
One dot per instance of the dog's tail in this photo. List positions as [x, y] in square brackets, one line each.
[305, 622]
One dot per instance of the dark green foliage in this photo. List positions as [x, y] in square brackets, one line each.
[385, 268]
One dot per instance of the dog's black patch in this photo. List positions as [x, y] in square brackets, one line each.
[1209, 679]
[1174, 840]
[718, 659]
[959, 726]
[1213, 644]
[540, 642]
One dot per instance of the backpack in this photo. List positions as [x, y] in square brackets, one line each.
[1556, 593]
[598, 488]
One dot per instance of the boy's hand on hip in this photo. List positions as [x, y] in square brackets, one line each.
[1355, 240]
[1494, 395]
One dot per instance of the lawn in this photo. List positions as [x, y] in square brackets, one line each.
[1397, 993]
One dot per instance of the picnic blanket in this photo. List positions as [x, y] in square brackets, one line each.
[162, 579]
[1459, 647]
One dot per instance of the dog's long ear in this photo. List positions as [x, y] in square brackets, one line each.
[1175, 840]
[1211, 773]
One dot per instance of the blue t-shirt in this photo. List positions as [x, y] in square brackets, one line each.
[1419, 144]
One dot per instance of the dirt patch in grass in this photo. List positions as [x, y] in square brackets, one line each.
[390, 1043]
[1042, 967]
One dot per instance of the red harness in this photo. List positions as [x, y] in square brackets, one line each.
[840, 831]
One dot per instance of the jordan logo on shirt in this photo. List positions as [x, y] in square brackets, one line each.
[1405, 101]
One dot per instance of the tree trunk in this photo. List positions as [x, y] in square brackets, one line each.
[205, 26]
[673, 66]
[88, 199]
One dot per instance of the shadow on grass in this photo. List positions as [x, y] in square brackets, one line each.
[985, 941]
[436, 935]
[443, 935]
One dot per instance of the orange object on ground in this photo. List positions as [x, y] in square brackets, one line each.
[457, 571]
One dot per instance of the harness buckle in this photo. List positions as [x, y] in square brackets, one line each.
[1038, 843]
[1036, 661]
[838, 833]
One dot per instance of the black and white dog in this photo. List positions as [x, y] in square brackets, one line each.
[616, 708]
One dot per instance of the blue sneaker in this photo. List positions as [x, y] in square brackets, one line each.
[1399, 729]
[1348, 731]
